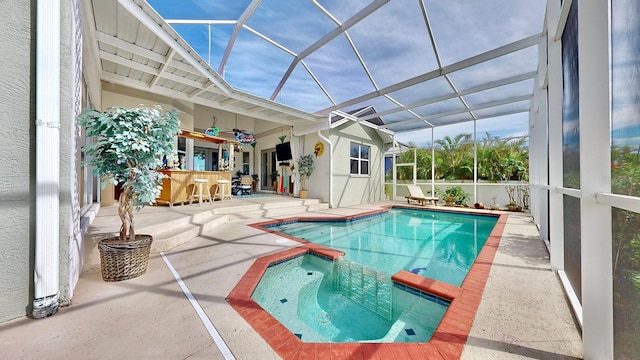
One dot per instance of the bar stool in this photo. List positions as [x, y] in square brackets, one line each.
[200, 195]
[223, 190]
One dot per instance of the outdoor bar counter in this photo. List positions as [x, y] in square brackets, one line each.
[177, 187]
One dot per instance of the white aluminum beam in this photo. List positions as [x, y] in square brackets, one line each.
[495, 53]
[504, 113]
[459, 111]
[241, 21]
[475, 89]
[595, 177]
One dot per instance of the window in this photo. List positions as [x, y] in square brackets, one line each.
[359, 158]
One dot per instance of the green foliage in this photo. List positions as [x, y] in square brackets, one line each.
[496, 159]
[128, 149]
[457, 195]
[305, 168]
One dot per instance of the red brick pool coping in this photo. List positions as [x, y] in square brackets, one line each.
[446, 343]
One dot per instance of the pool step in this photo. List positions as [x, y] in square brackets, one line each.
[170, 235]
[180, 230]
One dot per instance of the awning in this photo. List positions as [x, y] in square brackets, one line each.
[202, 136]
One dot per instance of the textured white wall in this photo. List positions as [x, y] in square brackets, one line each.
[17, 110]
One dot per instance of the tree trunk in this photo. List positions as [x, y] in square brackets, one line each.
[125, 212]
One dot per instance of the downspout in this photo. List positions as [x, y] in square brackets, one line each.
[324, 138]
[475, 161]
[46, 267]
[433, 164]
[394, 183]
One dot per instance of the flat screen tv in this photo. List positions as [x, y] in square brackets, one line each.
[283, 151]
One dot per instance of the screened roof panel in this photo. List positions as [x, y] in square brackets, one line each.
[201, 10]
[339, 71]
[400, 116]
[380, 104]
[413, 127]
[404, 42]
[439, 107]
[422, 91]
[520, 106]
[519, 62]
[504, 126]
[277, 20]
[453, 119]
[302, 92]
[467, 28]
[342, 10]
[256, 63]
[499, 93]
[390, 64]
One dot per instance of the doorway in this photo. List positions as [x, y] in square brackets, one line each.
[269, 166]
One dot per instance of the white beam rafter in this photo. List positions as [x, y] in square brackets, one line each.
[135, 10]
[127, 46]
[178, 95]
[128, 63]
[163, 67]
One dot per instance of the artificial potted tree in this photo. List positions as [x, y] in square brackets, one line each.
[305, 169]
[129, 147]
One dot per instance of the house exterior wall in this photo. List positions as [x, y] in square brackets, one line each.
[114, 99]
[17, 112]
[350, 189]
[318, 183]
[69, 213]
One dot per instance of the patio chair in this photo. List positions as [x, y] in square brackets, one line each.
[415, 193]
[244, 188]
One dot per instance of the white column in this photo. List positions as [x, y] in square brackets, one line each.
[595, 177]
[47, 208]
[556, 221]
[188, 161]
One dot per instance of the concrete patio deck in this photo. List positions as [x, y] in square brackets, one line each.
[523, 312]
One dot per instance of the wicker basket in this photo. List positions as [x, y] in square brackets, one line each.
[122, 260]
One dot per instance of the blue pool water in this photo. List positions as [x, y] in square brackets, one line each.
[438, 245]
[323, 301]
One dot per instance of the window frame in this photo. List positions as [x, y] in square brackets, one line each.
[360, 159]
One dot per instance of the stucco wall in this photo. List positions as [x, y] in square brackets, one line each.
[350, 189]
[17, 110]
[318, 183]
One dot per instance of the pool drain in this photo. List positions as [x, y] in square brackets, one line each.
[324, 318]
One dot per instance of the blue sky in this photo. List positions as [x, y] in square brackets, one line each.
[392, 42]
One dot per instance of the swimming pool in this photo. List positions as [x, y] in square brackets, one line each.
[433, 244]
[320, 300]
